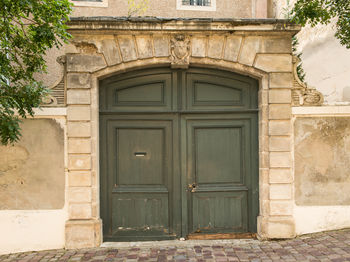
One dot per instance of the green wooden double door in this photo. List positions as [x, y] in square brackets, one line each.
[178, 154]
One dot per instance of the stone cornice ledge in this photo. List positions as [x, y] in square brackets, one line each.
[321, 110]
[105, 23]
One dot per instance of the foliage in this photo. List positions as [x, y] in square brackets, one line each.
[28, 28]
[300, 70]
[322, 12]
[134, 8]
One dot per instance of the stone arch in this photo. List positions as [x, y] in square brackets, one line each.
[259, 56]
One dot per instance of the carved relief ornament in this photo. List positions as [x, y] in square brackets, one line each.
[180, 51]
[303, 95]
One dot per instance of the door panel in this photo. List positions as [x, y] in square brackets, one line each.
[219, 165]
[139, 173]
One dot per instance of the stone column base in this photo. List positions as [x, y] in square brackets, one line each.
[276, 227]
[83, 233]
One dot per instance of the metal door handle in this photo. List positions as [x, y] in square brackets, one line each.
[192, 187]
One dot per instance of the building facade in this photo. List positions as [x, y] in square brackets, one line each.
[161, 128]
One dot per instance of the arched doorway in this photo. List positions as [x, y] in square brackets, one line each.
[178, 153]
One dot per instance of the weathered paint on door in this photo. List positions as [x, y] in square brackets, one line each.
[178, 154]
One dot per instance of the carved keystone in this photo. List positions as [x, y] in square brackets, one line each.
[180, 51]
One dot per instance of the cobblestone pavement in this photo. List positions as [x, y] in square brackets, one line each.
[328, 246]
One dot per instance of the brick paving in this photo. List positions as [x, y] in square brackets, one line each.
[331, 246]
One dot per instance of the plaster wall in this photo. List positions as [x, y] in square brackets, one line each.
[321, 141]
[224, 9]
[27, 230]
[34, 212]
[325, 61]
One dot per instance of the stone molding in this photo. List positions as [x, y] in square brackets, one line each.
[264, 54]
[57, 96]
[302, 94]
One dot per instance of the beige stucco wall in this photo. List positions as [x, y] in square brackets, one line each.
[321, 172]
[224, 9]
[32, 182]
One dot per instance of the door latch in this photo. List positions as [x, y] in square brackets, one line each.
[192, 187]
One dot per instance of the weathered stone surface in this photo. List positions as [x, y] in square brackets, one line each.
[79, 211]
[81, 80]
[79, 178]
[274, 62]
[144, 46]
[85, 63]
[281, 80]
[110, 51]
[79, 129]
[251, 46]
[281, 208]
[322, 161]
[280, 227]
[280, 96]
[280, 175]
[127, 47]
[280, 159]
[83, 234]
[77, 145]
[79, 162]
[232, 47]
[281, 191]
[280, 111]
[199, 46]
[33, 167]
[277, 45]
[79, 194]
[280, 128]
[278, 143]
[78, 97]
[161, 45]
[78, 113]
[215, 46]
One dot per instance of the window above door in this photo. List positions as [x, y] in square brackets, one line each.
[196, 5]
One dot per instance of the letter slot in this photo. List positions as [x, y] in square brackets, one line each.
[140, 154]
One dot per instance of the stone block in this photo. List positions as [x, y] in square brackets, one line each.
[281, 80]
[161, 45]
[79, 146]
[79, 211]
[232, 47]
[83, 234]
[280, 159]
[80, 81]
[280, 175]
[274, 62]
[78, 97]
[144, 46]
[127, 48]
[199, 45]
[79, 194]
[278, 143]
[280, 96]
[79, 129]
[78, 113]
[280, 192]
[281, 208]
[215, 46]
[251, 46]
[79, 162]
[85, 63]
[110, 51]
[280, 227]
[280, 111]
[264, 159]
[277, 45]
[79, 178]
[280, 128]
